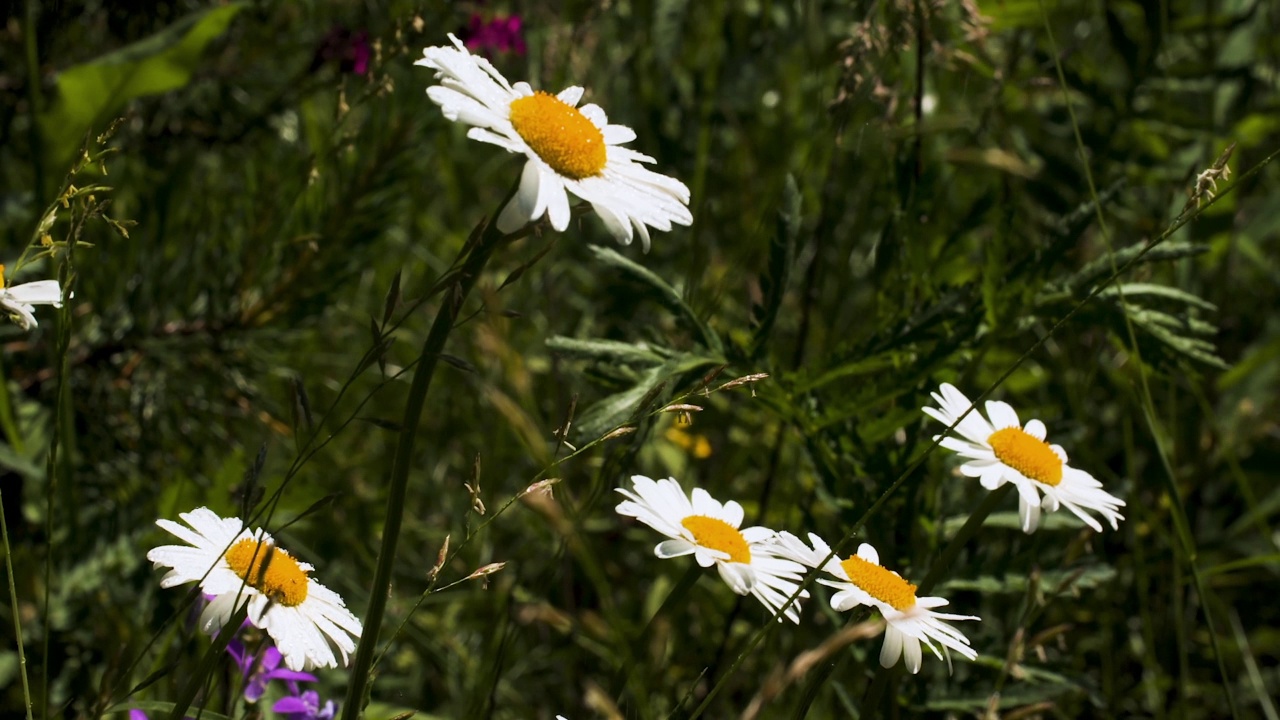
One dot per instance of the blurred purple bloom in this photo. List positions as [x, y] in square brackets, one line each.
[258, 672]
[305, 707]
[349, 49]
[501, 34]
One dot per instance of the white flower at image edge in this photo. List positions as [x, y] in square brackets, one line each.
[569, 148]
[19, 301]
[1003, 450]
[861, 580]
[231, 562]
[746, 559]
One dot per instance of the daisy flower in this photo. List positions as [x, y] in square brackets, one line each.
[1003, 450]
[708, 530]
[861, 580]
[569, 148]
[19, 301]
[302, 616]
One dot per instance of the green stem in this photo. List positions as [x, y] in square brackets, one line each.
[192, 687]
[477, 254]
[36, 98]
[676, 595]
[13, 603]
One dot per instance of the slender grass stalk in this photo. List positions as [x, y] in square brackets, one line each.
[36, 97]
[1178, 512]
[477, 253]
[13, 604]
[191, 688]
[677, 594]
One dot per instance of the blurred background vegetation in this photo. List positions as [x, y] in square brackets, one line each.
[887, 194]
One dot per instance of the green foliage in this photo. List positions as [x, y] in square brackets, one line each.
[90, 94]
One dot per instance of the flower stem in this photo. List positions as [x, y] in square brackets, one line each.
[476, 253]
[17, 616]
[191, 688]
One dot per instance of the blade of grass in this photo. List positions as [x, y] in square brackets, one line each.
[13, 603]
[1178, 511]
[477, 256]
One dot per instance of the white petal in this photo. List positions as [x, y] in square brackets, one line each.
[570, 96]
[1002, 414]
[1035, 429]
[868, 553]
[892, 648]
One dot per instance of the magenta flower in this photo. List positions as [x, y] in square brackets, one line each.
[305, 706]
[348, 49]
[501, 35]
[260, 671]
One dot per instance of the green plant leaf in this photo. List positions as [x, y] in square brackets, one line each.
[92, 92]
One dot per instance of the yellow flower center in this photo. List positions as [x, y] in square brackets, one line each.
[561, 135]
[270, 570]
[1026, 454]
[719, 535]
[1, 276]
[880, 583]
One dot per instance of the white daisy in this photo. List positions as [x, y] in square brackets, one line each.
[748, 562]
[19, 301]
[861, 580]
[568, 148]
[231, 562]
[1002, 450]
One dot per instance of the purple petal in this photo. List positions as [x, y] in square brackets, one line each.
[290, 675]
[270, 658]
[290, 705]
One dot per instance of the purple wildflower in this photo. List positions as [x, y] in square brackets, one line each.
[349, 49]
[258, 672]
[501, 34]
[305, 707]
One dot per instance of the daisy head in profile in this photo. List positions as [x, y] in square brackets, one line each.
[568, 149]
[304, 618]
[708, 530]
[19, 301]
[998, 449]
[861, 580]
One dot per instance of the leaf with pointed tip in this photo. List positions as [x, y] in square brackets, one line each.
[773, 283]
[614, 351]
[668, 296]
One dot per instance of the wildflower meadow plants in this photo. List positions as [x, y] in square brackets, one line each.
[703, 406]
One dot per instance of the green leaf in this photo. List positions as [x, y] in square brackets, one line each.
[668, 296]
[774, 282]
[616, 409]
[1163, 291]
[90, 93]
[613, 351]
[1053, 581]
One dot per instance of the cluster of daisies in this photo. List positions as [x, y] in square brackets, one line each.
[771, 565]
[575, 150]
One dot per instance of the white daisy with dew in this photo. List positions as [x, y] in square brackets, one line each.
[19, 301]
[569, 148]
[861, 580]
[703, 527]
[1003, 450]
[302, 616]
